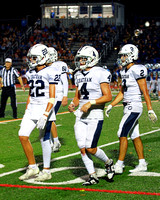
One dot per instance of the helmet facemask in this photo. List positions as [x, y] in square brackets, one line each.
[86, 57]
[37, 56]
[127, 54]
[53, 55]
[124, 60]
[82, 62]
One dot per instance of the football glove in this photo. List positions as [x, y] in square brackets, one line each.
[108, 110]
[42, 122]
[152, 116]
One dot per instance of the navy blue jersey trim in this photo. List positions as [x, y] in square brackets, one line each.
[53, 83]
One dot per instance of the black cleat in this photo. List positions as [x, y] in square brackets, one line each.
[110, 170]
[91, 181]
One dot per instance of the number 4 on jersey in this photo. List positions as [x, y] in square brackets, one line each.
[84, 91]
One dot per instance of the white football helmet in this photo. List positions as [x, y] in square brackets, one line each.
[147, 65]
[129, 52]
[53, 55]
[37, 55]
[86, 56]
[156, 66]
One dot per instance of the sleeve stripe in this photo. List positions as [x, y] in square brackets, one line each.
[141, 78]
[53, 83]
[105, 82]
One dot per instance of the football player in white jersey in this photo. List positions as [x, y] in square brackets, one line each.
[61, 92]
[39, 111]
[92, 92]
[133, 83]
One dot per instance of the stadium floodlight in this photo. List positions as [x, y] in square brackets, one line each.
[147, 24]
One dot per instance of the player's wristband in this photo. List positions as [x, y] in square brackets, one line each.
[51, 100]
[93, 102]
[46, 113]
[72, 103]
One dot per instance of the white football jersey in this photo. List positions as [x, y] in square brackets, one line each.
[88, 83]
[60, 87]
[39, 83]
[39, 89]
[131, 88]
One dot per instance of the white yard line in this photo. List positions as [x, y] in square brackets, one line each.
[69, 155]
[62, 113]
[72, 154]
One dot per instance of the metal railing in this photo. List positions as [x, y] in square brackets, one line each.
[110, 45]
[16, 44]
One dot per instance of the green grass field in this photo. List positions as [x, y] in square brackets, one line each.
[12, 156]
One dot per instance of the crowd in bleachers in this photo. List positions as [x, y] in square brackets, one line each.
[8, 35]
[147, 39]
[62, 39]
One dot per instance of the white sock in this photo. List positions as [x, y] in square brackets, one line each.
[120, 162]
[34, 166]
[101, 155]
[46, 149]
[47, 171]
[142, 161]
[56, 139]
[88, 163]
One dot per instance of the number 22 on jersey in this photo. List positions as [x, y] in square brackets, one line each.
[38, 85]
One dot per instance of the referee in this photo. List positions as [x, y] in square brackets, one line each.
[8, 77]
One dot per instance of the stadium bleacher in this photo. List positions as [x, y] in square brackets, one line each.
[15, 41]
[66, 40]
[147, 40]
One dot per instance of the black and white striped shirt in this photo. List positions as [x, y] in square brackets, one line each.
[9, 76]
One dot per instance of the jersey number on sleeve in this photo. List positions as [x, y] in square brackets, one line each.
[38, 85]
[57, 77]
[142, 73]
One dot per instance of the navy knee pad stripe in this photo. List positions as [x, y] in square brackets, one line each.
[47, 131]
[97, 134]
[129, 123]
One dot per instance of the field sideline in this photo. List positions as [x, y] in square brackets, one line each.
[77, 189]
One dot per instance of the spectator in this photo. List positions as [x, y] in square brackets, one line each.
[52, 14]
[147, 40]
[23, 24]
